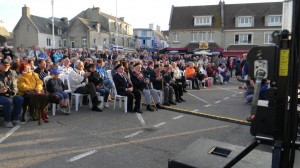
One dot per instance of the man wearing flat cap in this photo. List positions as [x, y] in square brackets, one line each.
[8, 97]
[142, 83]
[124, 88]
[159, 84]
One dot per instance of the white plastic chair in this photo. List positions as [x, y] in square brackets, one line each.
[62, 77]
[79, 97]
[120, 98]
[188, 82]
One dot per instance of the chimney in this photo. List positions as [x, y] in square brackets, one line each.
[96, 9]
[65, 20]
[151, 26]
[158, 28]
[25, 11]
[122, 18]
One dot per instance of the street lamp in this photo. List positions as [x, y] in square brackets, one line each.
[116, 40]
[53, 40]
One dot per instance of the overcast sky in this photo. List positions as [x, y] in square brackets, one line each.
[138, 13]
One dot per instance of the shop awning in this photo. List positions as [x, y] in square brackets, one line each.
[235, 53]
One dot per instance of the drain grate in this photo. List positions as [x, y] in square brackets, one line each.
[219, 151]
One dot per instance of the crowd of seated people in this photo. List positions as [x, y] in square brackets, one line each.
[144, 74]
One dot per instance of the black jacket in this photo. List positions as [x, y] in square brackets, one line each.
[157, 84]
[55, 85]
[121, 83]
[95, 78]
[138, 83]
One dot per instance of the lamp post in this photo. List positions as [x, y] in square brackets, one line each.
[53, 40]
[116, 40]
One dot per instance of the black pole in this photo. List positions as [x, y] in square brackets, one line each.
[292, 125]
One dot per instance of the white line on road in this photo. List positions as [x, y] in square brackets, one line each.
[9, 133]
[226, 98]
[217, 102]
[207, 105]
[134, 134]
[82, 156]
[195, 110]
[141, 119]
[159, 124]
[198, 98]
[226, 89]
[234, 95]
[175, 118]
[241, 92]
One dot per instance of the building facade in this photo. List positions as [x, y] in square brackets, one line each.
[228, 26]
[34, 30]
[118, 33]
[150, 39]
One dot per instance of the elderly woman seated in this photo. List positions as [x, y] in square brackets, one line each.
[28, 84]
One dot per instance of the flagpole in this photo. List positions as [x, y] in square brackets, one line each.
[53, 40]
[116, 41]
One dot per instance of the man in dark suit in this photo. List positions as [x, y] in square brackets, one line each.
[176, 86]
[159, 84]
[142, 83]
[124, 88]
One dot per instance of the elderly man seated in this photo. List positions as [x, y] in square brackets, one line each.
[142, 84]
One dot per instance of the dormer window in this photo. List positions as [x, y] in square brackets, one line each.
[244, 21]
[202, 20]
[59, 32]
[274, 20]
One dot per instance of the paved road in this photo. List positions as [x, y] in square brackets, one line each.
[114, 139]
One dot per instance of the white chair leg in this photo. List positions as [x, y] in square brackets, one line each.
[53, 108]
[115, 102]
[77, 97]
[120, 102]
[125, 104]
[80, 100]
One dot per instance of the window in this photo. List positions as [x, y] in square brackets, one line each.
[243, 39]
[194, 39]
[268, 38]
[65, 42]
[59, 32]
[202, 36]
[73, 44]
[94, 41]
[175, 37]
[202, 20]
[244, 21]
[83, 42]
[210, 36]
[144, 33]
[274, 20]
[48, 42]
[60, 43]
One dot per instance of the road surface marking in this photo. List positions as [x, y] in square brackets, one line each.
[159, 124]
[241, 92]
[198, 98]
[226, 89]
[134, 134]
[175, 118]
[234, 95]
[217, 102]
[207, 105]
[195, 110]
[226, 98]
[9, 133]
[141, 119]
[82, 156]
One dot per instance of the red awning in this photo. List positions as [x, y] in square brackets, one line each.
[238, 53]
